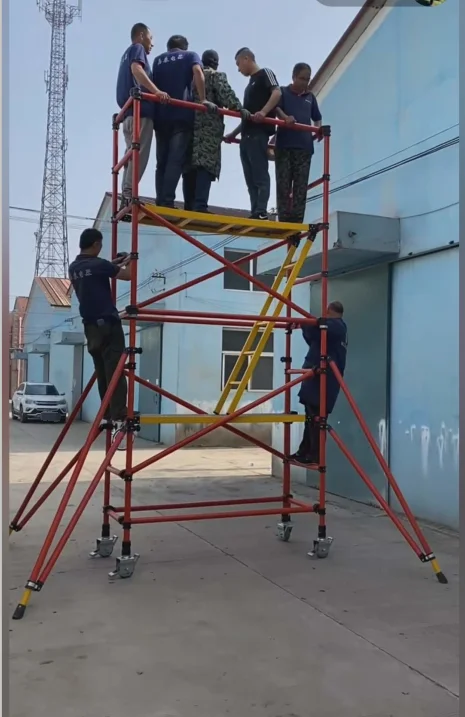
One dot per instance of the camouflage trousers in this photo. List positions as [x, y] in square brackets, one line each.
[292, 168]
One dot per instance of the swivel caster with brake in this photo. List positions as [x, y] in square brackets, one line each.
[125, 566]
[321, 548]
[285, 530]
[104, 547]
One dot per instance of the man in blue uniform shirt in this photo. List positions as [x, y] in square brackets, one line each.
[134, 71]
[309, 394]
[294, 149]
[174, 72]
[90, 276]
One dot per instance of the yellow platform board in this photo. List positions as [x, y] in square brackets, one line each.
[223, 224]
[193, 418]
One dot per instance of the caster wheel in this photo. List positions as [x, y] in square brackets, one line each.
[284, 531]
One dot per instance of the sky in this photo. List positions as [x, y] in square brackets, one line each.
[301, 31]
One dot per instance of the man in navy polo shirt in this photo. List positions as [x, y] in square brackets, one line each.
[134, 71]
[174, 72]
[309, 393]
[294, 149]
[90, 276]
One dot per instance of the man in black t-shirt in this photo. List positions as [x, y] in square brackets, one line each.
[261, 97]
[90, 277]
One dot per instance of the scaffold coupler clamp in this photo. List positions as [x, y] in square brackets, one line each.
[35, 587]
[136, 93]
[132, 351]
[132, 424]
[313, 230]
[427, 558]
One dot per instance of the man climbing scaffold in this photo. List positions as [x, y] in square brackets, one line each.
[261, 325]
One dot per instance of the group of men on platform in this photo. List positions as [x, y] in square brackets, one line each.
[188, 145]
[188, 142]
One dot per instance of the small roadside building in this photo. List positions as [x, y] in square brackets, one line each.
[47, 323]
[17, 362]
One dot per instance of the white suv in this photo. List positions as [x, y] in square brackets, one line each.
[38, 401]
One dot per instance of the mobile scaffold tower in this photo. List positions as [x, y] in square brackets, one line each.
[298, 240]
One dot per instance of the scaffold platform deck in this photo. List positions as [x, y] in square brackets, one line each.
[222, 223]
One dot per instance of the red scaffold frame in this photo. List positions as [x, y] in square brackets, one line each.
[283, 505]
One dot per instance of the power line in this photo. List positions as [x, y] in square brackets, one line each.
[400, 151]
[389, 168]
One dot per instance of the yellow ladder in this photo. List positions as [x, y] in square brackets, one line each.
[251, 353]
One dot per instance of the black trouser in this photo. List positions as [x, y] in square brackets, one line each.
[106, 345]
[292, 170]
[173, 145]
[310, 445]
[254, 158]
[196, 186]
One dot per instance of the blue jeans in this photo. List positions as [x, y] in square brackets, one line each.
[172, 149]
[254, 158]
[196, 187]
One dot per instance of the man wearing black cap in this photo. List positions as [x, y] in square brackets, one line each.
[204, 162]
[90, 276]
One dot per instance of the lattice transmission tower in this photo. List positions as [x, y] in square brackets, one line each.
[52, 234]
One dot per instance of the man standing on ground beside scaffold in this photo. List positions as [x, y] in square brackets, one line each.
[134, 71]
[293, 149]
[90, 276]
[309, 394]
[261, 96]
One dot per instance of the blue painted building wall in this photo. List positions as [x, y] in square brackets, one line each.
[395, 96]
[424, 430]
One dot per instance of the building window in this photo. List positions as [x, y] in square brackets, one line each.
[233, 343]
[238, 283]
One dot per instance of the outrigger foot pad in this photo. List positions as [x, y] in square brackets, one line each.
[19, 612]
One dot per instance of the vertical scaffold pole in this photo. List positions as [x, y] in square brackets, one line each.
[287, 409]
[323, 418]
[114, 252]
[130, 423]
[287, 361]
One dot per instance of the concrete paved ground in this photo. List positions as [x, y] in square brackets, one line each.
[221, 618]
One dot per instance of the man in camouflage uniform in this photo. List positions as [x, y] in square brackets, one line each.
[204, 165]
[294, 149]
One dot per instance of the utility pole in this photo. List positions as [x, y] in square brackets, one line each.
[52, 235]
